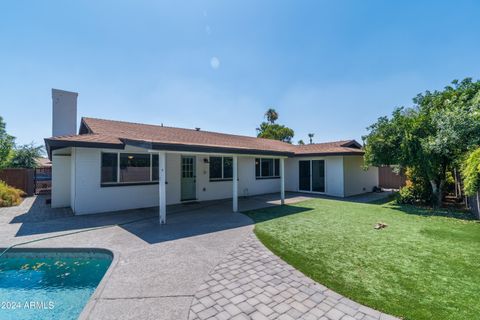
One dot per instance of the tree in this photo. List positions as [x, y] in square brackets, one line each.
[271, 115]
[300, 142]
[310, 136]
[26, 156]
[275, 132]
[7, 142]
[430, 137]
[272, 130]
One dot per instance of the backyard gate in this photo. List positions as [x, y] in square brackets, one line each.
[43, 180]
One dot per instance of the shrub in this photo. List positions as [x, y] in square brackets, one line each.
[407, 195]
[416, 190]
[9, 196]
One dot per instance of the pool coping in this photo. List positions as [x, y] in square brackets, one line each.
[90, 305]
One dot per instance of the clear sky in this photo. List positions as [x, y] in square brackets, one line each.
[328, 67]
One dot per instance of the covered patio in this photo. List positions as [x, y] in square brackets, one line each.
[162, 174]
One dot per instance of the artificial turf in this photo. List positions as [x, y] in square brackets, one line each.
[423, 265]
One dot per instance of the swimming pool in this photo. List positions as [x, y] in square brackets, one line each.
[49, 284]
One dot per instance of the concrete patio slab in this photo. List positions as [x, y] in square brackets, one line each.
[157, 269]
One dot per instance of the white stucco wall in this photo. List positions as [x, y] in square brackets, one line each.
[88, 196]
[358, 180]
[61, 177]
[333, 174]
[76, 181]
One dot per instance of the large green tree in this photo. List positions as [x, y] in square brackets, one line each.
[26, 156]
[271, 130]
[7, 142]
[432, 136]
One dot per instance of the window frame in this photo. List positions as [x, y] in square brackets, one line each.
[222, 178]
[119, 183]
[275, 169]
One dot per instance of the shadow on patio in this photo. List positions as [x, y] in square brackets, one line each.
[184, 220]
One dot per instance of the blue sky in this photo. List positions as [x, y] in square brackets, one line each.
[328, 67]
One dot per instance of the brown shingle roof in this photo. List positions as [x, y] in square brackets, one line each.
[180, 136]
[344, 147]
[115, 134]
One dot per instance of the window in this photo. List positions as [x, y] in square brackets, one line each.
[267, 168]
[109, 167]
[221, 168]
[128, 168]
[134, 167]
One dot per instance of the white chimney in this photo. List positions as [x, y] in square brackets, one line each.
[64, 116]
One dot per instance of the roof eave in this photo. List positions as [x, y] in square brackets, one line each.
[325, 154]
[201, 148]
[53, 144]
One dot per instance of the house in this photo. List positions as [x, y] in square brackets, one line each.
[114, 165]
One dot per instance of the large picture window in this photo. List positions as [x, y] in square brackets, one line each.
[221, 168]
[128, 168]
[267, 168]
[134, 167]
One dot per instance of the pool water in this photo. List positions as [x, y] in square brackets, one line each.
[49, 286]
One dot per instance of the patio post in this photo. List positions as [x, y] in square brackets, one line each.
[162, 199]
[282, 180]
[235, 184]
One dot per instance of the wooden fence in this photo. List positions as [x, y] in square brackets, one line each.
[472, 203]
[22, 179]
[387, 179]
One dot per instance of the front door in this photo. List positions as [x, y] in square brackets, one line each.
[189, 180]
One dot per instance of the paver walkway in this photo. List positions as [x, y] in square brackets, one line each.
[253, 283]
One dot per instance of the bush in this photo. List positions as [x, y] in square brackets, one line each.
[407, 195]
[10, 196]
[416, 190]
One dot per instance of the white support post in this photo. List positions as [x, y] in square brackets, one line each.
[282, 181]
[235, 184]
[162, 199]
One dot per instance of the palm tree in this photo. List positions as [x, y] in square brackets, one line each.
[310, 135]
[271, 115]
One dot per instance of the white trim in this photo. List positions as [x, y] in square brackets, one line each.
[282, 181]
[235, 184]
[118, 168]
[162, 193]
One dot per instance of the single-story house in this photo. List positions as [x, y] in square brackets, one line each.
[114, 165]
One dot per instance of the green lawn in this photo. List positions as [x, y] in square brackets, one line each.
[422, 266]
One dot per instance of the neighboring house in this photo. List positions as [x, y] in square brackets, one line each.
[43, 162]
[114, 165]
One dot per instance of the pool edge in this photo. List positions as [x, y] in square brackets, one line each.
[90, 305]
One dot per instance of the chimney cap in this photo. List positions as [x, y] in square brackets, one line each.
[59, 91]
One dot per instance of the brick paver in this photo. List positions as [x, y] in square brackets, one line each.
[253, 283]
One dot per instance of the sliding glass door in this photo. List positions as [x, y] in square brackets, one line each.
[311, 175]
[304, 175]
